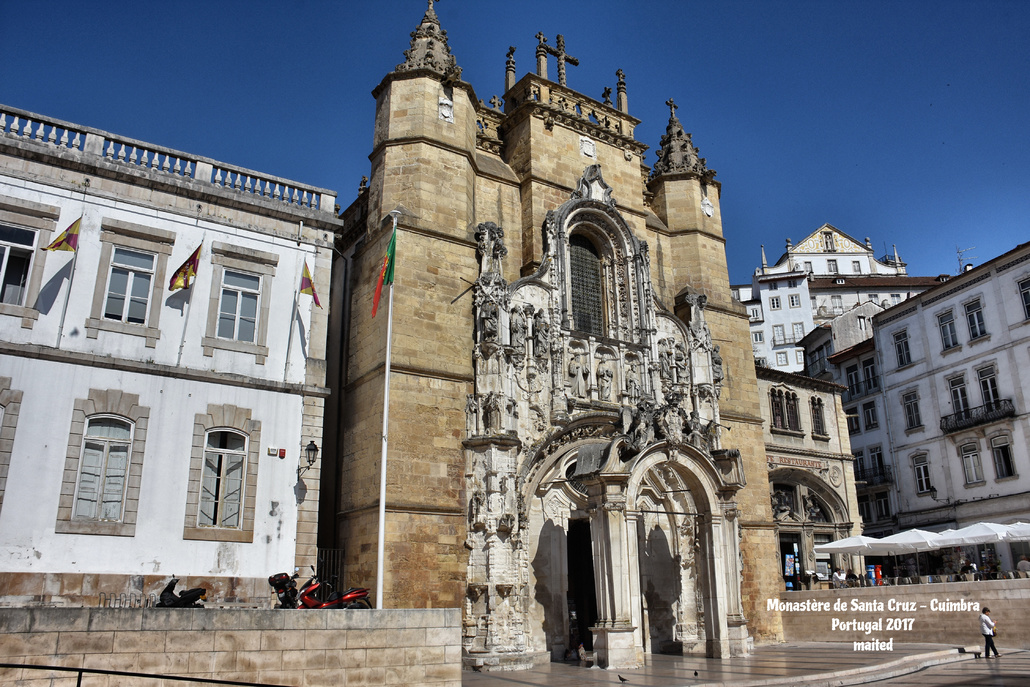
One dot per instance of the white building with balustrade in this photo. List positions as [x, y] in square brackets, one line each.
[145, 431]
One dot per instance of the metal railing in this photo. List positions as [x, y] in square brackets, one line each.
[980, 415]
[330, 568]
[79, 672]
[862, 388]
[876, 475]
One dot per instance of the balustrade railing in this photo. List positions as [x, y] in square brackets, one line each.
[32, 128]
[875, 475]
[980, 415]
[862, 388]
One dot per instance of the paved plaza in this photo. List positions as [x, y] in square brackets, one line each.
[810, 664]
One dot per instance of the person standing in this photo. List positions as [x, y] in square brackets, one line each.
[1023, 565]
[987, 630]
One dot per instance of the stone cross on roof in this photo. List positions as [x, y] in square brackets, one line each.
[672, 107]
[559, 53]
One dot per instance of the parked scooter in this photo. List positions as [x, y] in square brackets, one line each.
[187, 599]
[285, 586]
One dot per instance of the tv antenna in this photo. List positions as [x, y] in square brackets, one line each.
[962, 259]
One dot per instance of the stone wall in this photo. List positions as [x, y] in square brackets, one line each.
[412, 647]
[914, 605]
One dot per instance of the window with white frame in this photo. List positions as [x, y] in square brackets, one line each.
[798, 330]
[988, 386]
[883, 506]
[874, 297]
[831, 266]
[854, 426]
[129, 286]
[910, 401]
[238, 306]
[872, 381]
[921, 468]
[859, 456]
[959, 398]
[1002, 451]
[946, 324]
[837, 303]
[779, 337]
[901, 349]
[861, 323]
[103, 469]
[895, 298]
[754, 313]
[870, 416]
[757, 337]
[794, 300]
[975, 319]
[971, 463]
[876, 459]
[781, 359]
[1024, 294]
[865, 509]
[222, 481]
[774, 303]
[799, 357]
[792, 283]
[17, 247]
[774, 286]
[808, 268]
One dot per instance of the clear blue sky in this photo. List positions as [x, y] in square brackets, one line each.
[907, 122]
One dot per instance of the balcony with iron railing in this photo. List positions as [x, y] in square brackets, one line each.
[881, 474]
[863, 388]
[783, 340]
[980, 415]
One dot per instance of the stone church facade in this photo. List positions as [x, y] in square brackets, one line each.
[576, 446]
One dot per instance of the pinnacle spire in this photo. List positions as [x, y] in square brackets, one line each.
[677, 152]
[429, 49]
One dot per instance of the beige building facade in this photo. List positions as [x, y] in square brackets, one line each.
[575, 440]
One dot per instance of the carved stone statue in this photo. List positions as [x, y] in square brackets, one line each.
[696, 436]
[717, 372]
[604, 381]
[518, 328]
[671, 421]
[641, 432]
[680, 357]
[471, 415]
[489, 321]
[541, 335]
[492, 417]
[665, 360]
[632, 383]
[782, 504]
[813, 509]
[578, 375]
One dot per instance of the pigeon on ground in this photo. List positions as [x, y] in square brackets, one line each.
[622, 679]
[695, 673]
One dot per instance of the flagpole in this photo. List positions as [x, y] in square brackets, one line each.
[68, 296]
[289, 341]
[185, 325]
[380, 551]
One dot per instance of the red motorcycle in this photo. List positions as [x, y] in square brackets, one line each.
[285, 586]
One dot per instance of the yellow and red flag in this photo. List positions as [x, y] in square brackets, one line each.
[184, 276]
[69, 238]
[307, 286]
[385, 272]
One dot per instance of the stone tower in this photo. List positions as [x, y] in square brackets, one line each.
[575, 447]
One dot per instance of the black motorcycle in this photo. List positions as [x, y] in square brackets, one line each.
[189, 598]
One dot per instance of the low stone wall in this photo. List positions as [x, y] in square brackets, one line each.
[303, 648]
[936, 613]
[88, 589]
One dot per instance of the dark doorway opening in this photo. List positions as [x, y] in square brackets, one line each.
[582, 599]
[791, 560]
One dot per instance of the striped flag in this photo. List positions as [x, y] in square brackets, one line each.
[184, 276]
[386, 272]
[69, 238]
[307, 286]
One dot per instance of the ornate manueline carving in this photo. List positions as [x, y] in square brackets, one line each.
[677, 152]
[592, 186]
[490, 247]
[429, 49]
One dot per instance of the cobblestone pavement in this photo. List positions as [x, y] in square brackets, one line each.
[789, 664]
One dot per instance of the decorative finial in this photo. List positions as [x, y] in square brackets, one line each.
[607, 96]
[672, 107]
[677, 153]
[429, 49]
[496, 102]
[622, 102]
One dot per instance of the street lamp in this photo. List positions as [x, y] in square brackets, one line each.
[310, 455]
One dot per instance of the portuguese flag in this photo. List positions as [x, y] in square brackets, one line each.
[385, 272]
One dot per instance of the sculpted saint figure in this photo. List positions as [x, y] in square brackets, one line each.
[578, 374]
[518, 330]
[604, 381]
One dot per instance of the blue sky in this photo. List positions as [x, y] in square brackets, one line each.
[907, 122]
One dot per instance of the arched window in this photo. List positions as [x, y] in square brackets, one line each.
[778, 412]
[103, 469]
[793, 417]
[818, 424]
[221, 490]
[585, 271]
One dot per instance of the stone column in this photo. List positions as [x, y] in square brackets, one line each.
[614, 632]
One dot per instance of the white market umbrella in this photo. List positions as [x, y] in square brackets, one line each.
[1019, 531]
[858, 544]
[914, 540]
[980, 533]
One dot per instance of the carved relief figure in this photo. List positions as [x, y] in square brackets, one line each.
[680, 357]
[632, 383]
[813, 509]
[519, 329]
[492, 419]
[604, 381]
[491, 249]
[717, 371]
[665, 360]
[541, 335]
[489, 320]
[472, 415]
[782, 503]
[641, 433]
